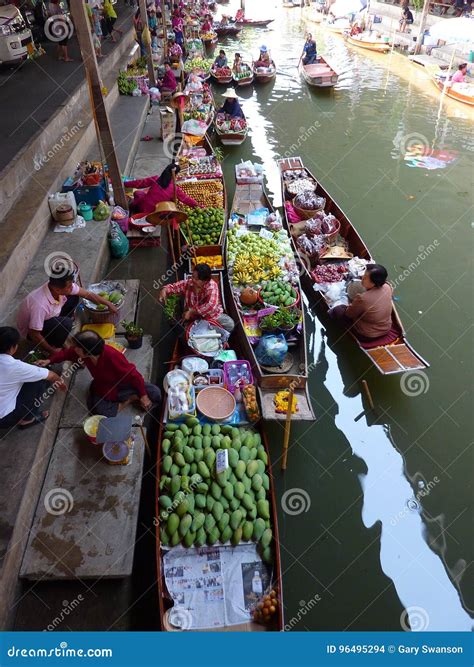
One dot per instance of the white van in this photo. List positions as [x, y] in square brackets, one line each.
[14, 35]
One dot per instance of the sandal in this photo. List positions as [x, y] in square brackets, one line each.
[146, 138]
[37, 420]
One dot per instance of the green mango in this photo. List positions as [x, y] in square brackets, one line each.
[198, 456]
[223, 521]
[172, 524]
[226, 534]
[203, 470]
[253, 453]
[209, 523]
[202, 487]
[193, 468]
[217, 510]
[216, 441]
[224, 502]
[188, 455]
[192, 421]
[257, 482]
[191, 498]
[197, 430]
[165, 502]
[226, 429]
[215, 429]
[236, 537]
[185, 483]
[257, 439]
[236, 444]
[261, 467]
[266, 481]
[267, 556]
[216, 490]
[213, 536]
[190, 441]
[165, 445]
[252, 514]
[263, 509]
[248, 442]
[235, 519]
[184, 429]
[188, 539]
[181, 503]
[206, 429]
[247, 482]
[210, 502]
[209, 457]
[235, 433]
[200, 500]
[174, 470]
[240, 469]
[222, 478]
[164, 537]
[201, 537]
[164, 482]
[234, 504]
[252, 468]
[247, 501]
[244, 453]
[178, 446]
[266, 538]
[247, 531]
[206, 440]
[168, 435]
[228, 491]
[232, 478]
[175, 485]
[258, 529]
[198, 521]
[233, 458]
[179, 459]
[167, 463]
[175, 539]
[172, 427]
[239, 490]
[261, 494]
[197, 442]
[262, 455]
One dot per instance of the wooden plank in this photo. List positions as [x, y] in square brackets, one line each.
[75, 409]
[95, 536]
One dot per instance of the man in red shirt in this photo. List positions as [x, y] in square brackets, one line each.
[202, 300]
[115, 379]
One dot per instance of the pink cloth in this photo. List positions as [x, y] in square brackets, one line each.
[458, 77]
[169, 81]
[292, 215]
[40, 305]
[145, 202]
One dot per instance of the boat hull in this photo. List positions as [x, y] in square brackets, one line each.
[264, 77]
[376, 47]
[253, 24]
[319, 75]
[453, 94]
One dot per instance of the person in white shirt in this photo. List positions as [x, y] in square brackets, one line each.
[22, 385]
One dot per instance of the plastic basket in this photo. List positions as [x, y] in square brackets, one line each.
[104, 316]
[241, 366]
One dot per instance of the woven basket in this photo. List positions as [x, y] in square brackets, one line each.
[333, 235]
[64, 215]
[104, 316]
[215, 403]
[304, 213]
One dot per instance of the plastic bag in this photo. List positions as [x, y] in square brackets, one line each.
[118, 241]
[101, 211]
[271, 350]
[336, 294]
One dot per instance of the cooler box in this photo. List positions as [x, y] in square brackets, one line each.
[91, 194]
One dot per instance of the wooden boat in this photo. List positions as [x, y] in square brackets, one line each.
[369, 45]
[319, 75]
[247, 198]
[264, 74]
[230, 30]
[449, 91]
[223, 79]
[253, 23]
[396, 356]
[244, 80]
[231, 138]
[174, 613]
[210, 44]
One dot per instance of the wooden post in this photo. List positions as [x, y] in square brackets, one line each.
[367, 393]
[149, 53]
[286, 438]
[424, 14]
[165, 29]
[84, 37]
[242, 5]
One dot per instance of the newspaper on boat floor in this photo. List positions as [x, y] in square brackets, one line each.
[214, 587]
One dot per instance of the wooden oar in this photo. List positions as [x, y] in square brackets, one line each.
[286, 438]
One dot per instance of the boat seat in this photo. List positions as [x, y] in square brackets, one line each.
[317, 69]
[391, 337]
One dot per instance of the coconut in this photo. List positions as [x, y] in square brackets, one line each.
[248, 296]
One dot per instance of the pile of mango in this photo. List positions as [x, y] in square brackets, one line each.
[199, 506]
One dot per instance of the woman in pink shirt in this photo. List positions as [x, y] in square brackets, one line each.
[460, 75]
[160, 188]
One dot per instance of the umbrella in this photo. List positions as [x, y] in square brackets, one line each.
[454, 31]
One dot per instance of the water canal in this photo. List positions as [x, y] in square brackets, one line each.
[384, 540]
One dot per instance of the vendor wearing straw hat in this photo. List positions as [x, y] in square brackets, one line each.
[263, 58]
[231, 106]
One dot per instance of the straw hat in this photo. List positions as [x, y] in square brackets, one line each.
[230, 94]
[164, 212]
[178, 99]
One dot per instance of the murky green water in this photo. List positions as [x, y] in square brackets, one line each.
[388, 495]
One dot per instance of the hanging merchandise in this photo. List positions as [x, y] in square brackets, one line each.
[118, 241]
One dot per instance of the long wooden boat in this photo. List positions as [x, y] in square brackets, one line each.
[369, 45]
[180, 613]
[231, 138]
[253, 23]
[264, 74]
[451, 92]
[248, 198]
[319, 75]
[390, 354]
[222, 78]
[245, 80]
[227, 30]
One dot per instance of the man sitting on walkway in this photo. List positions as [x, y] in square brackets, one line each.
[45, 316]
[116, 381]
[23, 387]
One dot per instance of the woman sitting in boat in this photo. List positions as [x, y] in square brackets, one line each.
[263, 58]
[160, 188]
[116, 382]
[221, 60]
[201, 298]
[369, 316]
[231, 106]
[310, 51]
[168, 83]
[237, 66]
[460, 75]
